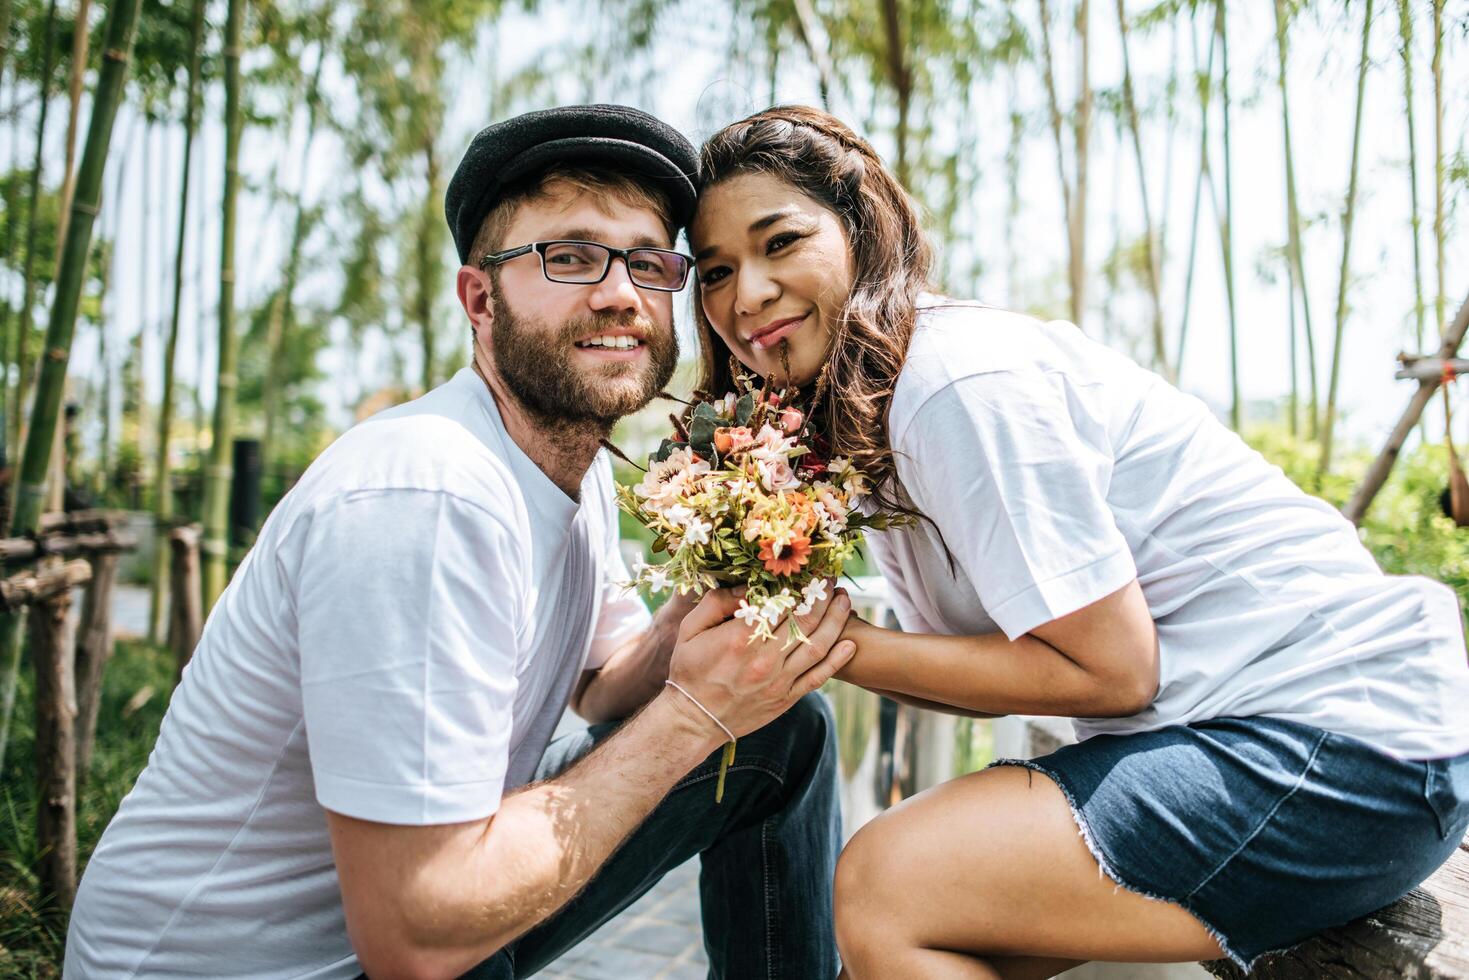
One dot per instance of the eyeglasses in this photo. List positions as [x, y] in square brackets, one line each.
[584, 263]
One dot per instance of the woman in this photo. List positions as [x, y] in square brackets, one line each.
[1274, 734]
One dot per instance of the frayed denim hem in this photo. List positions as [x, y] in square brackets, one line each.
[1084, 831]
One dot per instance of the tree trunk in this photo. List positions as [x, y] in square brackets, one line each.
[79, 44]
[428, 220]
[6, 9]
[30, 485]
[185, 616]
[1405, 31]
[56, 710]
[811, 33]
[93, 650]
[1329, 427]
[1293, 221]
[218, 477]
[1204, 83]
[162, 472]
[1150, 256]
[28, 275]
[1439, 232]
[1081, 128]
[1226, 226]
[1053, 103]
[283, 312]
[900, 76]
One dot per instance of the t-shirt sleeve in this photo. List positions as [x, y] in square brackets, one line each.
[1014, 471]
[623, 614]
[406, 606]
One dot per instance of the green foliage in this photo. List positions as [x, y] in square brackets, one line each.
[1406, 529]
[32, 945]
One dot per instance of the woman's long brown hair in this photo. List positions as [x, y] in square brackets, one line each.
[820, 156]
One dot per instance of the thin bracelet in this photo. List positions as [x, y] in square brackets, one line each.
[678, 687]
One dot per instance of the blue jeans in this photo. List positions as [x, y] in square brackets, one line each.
[767, 854]
[1267, 830]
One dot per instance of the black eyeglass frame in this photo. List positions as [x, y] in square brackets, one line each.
[498, 258]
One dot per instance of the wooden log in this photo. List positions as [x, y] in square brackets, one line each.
[51, 642]
[187, 600]
[64, 544]
[79, 521]
[94, 649]
[28, 588]
[1377, 475]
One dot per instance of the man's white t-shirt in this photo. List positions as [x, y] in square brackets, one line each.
[1058, 470]
[398, 647]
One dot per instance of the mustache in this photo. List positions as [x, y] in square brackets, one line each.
[576, 329]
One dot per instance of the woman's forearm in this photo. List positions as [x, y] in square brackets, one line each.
[987, 673]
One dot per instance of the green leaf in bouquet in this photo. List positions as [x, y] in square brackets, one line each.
[665, 449]
[659, 545]
[701, 434]
[744, 408]
[705, 410]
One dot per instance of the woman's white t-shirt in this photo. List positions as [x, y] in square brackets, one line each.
[398, 647]
[1058, 470]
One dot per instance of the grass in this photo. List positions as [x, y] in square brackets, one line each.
[32, 935]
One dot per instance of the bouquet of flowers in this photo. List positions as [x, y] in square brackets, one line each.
[745, 493]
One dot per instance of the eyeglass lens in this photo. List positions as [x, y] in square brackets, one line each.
[586, 262]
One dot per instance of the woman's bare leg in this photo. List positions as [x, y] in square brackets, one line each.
[987, 876]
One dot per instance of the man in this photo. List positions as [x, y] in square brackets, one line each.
[344, 780]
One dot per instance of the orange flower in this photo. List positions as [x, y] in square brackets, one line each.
[788, 560]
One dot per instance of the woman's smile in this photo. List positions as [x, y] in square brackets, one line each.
[773, 333]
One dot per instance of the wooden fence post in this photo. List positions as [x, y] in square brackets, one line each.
[94, 649]
[52, 650]
[186, 606]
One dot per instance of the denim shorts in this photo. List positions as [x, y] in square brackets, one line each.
[1268, 831]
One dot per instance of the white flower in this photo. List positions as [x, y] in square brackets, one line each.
[747, 613]
[678, 515]
[697, 532]
[804, 608]
[658, 579]
[777, 474]
[815, 590]
[772, 612]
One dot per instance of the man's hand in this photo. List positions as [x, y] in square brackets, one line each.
[433, 901]
[747, 685]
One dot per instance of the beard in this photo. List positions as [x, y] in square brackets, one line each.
[536, 363]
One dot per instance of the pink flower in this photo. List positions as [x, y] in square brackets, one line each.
[791, 421]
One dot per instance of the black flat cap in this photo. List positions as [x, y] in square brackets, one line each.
[615, 136]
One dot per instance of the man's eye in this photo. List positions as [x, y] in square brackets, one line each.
[565, 258]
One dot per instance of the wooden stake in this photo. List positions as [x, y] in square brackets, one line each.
[94, 649]
[185, 608]
[52, 650]
[1453, 336]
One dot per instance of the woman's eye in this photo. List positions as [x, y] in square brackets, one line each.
[781, 241]
[713, 276]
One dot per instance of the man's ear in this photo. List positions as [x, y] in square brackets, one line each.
[473, 289]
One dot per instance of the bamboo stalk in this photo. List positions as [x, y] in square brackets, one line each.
[185, 613]
[220, 472]
[1226, 226]
[1328, 428]
[1405, 32]
[1150, 254]
[162, 470]
[1293, 223]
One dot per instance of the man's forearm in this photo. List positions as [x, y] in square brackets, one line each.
[547, 841]
[986, 673]
[633, 675]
